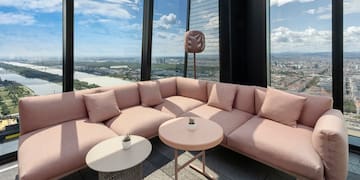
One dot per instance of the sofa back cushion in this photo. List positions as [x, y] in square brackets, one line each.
[101, 106]
[245, 99]
[282, 107]
[42, 111]
[127, 95]
[167, 86]
[313, 108]
[150, 94]
[222, 95]
[192, 88]
[260, 93]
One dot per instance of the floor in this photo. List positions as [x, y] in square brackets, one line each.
[222, 163]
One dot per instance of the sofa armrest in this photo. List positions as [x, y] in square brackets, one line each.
[330, 141]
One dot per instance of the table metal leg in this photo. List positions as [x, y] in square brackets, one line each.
[176, 165]
[201, 171]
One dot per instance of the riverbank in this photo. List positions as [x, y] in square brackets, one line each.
[81, 76]
[10, 93]
[33, 73]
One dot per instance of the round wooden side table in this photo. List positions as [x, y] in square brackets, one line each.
[113, 162]
[177, 135]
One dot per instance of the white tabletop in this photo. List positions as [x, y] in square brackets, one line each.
[175, 134]
[109, 155]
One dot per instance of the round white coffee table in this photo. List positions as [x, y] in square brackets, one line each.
[176, 134]
[113, 162]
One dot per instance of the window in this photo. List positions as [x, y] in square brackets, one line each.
[30, 62]
[204, 16]
[352, 66]
[169, 25]
[301, 46]
[107, 42]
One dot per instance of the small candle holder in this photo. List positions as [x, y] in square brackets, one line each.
[191, 124]
[126, 142]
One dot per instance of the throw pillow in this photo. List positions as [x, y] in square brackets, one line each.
[150, 93]
[282, 107]
[222, 96]
[101, 106]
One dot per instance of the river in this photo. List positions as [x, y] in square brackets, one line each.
[39, 86]
[86, 77]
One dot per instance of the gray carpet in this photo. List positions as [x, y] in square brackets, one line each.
[222, 163]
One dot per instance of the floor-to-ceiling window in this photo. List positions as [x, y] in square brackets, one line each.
[169, 26]
[107, 42]
[301, 46]
[30, 56]
[352, 66]
[204, 16]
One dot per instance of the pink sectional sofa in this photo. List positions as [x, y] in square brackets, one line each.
[56, 133]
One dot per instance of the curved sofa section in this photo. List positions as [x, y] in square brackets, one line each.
[56, 134]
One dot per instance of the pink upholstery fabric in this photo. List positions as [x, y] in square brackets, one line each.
[127, 95]
[330, 140]
[177, 105]
[150, 93]
[282, 107]
[56, 150]
[229, 121]
[222, 96]
[42, 111]
[314, 107]
[192, 88]
[138, 120]
[260, 93]
[101, 106]
[167, 86]
[279, 145]
[245, 99]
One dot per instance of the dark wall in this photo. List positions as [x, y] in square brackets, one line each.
[243, 39]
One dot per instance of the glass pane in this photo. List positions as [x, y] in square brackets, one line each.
[107, 42]
[169, 25]
[351, 66]
[30, 59]
[204, 16]
[301, 46]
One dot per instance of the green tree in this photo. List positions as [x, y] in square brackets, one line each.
[349, 106]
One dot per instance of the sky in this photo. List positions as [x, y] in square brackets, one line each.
[33, 28]
[305, 25]
[114, 27]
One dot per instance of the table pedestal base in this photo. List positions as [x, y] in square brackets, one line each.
[197, 169]
[134, 173]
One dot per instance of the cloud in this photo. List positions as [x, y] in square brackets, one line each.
[323, 12]
[284, 39]
[112, 9]
[165, 21]
[351, 6]
[107, 8]
[168, 43]
[309, 40]
[12, 18]
[38, 5]
[283, 2]
[352, 38]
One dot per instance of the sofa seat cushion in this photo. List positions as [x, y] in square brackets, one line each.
[138, 120]
[279, 145]
[53, 151]
[228, 120]
[177, 105]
